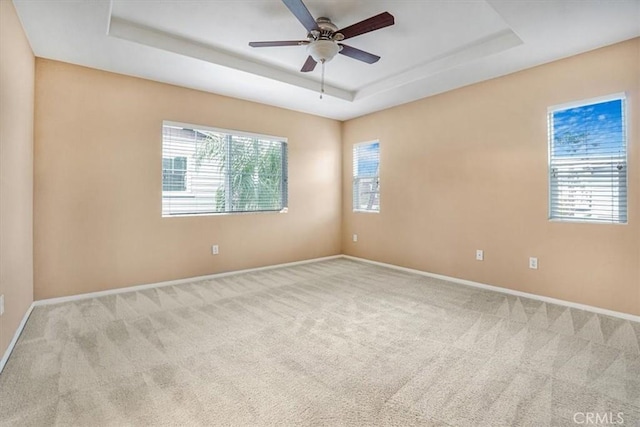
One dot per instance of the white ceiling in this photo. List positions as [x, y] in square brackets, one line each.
[435, 45]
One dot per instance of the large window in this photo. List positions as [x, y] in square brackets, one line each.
[588, 161]
[366, 182]
[206, 171]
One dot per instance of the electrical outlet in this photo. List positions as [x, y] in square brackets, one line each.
[215, 250]
[1, 305]
[355, 237]
[533, 263]
[479, 255]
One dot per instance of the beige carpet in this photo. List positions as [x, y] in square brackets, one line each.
[329, 343]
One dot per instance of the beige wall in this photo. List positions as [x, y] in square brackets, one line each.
[460, 171]
[467, 170]
[16, 172]
[97, 197]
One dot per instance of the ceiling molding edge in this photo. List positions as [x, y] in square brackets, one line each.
[478, 49]
[130, 31]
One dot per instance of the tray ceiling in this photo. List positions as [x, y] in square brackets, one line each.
[434, 46]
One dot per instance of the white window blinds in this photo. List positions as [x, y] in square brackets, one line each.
[366, 183]
[206, 171]
[588, 161]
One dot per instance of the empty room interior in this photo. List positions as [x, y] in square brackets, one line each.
[289, 212]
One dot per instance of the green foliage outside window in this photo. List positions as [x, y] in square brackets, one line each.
[253, 171]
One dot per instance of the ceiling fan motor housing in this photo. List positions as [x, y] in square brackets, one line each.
[326, 30]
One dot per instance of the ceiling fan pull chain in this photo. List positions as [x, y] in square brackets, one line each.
[322, 81]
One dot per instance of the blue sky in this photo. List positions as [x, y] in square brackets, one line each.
[596, 129]
[369, 159]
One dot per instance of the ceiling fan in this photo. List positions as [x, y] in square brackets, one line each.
[324, 37]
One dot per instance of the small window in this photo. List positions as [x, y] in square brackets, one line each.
[174, 174]
[366, 183]
[209, 171]
[588, 161]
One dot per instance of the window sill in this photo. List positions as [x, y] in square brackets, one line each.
[585, 221]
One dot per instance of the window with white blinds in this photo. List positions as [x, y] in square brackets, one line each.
[366, 182]
[209, 171]
[588, 161]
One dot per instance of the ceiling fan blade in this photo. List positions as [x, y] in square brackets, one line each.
[382, 20]
[358, 54]
[279, 43]
[309, 65]
[302, 13]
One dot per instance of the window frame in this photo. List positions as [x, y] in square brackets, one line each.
[354, 177]
[621, 96]
[232, 132]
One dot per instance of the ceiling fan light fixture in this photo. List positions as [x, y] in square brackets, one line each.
[323, 50]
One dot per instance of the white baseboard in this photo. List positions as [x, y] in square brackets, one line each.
[14, 340]
[508, 291]
[77, 297]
